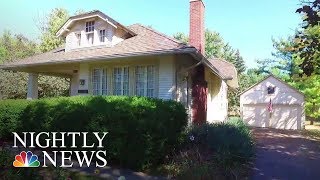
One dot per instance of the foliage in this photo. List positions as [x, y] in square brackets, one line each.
[15, 47]
[10, 113]
[8, 172]
[246, 80]
[49, 28]
[309, 86]
[231, 141]
[216, 47]
[220, 151]
[141, 130]
[13, 85]
[292, 73]
[306, 44]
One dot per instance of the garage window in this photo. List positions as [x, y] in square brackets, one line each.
[271, 90]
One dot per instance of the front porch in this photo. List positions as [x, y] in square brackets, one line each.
[137, 76]
[68, 71]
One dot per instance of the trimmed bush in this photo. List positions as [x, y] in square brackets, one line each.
[141, 130]
[10, 113]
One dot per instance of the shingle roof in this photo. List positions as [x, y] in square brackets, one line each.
[226, 69]
[147, 41]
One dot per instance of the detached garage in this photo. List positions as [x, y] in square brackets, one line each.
[273, 103]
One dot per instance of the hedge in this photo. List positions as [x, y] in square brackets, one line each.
[141, 130]
[10, 115]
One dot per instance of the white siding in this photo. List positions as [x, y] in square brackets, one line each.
[287, 103]
[114, 36]
[184, 82]
[84, 74]
[166, 78]
[217, 101]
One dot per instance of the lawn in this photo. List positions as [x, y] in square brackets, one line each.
[313, 131]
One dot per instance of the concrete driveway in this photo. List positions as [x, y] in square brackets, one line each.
[283, 154]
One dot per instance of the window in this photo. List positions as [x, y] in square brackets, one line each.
[90, 38]
[102, 35]
[121, 81]
[145, 81]
[90, 26]
[99, 82]
[271, 90]
[78, 35]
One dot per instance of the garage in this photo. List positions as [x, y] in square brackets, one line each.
[273, 103]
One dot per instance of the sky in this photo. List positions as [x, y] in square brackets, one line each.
[247, 25]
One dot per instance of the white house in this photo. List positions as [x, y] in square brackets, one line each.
[273, 103]
[103, 57]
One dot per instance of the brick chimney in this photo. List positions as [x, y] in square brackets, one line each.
[197, 28]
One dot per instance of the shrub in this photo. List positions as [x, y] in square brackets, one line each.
[141, 130]
[8, 172]
[231, 141]
[10, 112]
[225, 149]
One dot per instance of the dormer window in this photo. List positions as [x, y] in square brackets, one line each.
[90, 38]
[102, 35]
[78, 35]
[90, 26]
[271, 89]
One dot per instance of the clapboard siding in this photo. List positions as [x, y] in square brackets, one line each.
[217, 102]
[166, 78]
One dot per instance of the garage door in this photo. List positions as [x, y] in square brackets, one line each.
[282, 117]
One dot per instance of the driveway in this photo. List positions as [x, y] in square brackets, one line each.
[283, 154]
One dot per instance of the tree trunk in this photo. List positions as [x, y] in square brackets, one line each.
[312, 119]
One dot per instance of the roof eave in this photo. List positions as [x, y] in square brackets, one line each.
[207, 63]
[101, 58]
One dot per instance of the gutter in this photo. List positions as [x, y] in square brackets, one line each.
[102, 58]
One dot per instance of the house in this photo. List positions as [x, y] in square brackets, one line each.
[103, 57]
[273, 103]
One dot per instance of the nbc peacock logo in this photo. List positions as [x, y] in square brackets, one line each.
[26, 160]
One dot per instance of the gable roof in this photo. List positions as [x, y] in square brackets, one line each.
[274, 77]
[91, 14]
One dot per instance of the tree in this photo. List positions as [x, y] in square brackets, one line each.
[216, 47]
[49, 27]
[239, 62]
[214, 44]
[306, 45]
[13, 85]
[181, 37]
[287, 66]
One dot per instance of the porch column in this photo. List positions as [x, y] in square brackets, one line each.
[74, 85]
[32, 86]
